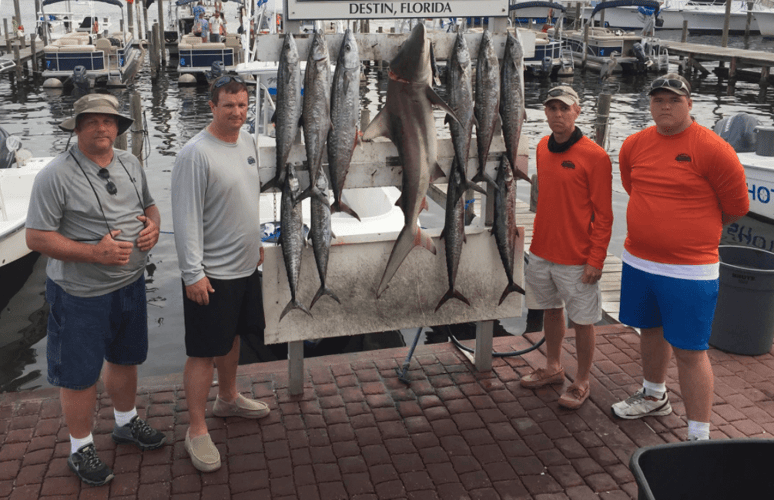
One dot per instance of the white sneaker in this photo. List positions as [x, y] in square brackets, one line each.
[639, 405]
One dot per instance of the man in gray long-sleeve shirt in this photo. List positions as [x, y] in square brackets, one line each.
[215, 200]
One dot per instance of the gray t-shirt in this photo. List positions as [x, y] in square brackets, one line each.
[62, 200]
[215, 200]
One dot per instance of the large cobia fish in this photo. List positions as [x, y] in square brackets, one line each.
[316, 115]
[288, 112]
[512, 106]
[487, 102]
[504, 226]
[292, 237]
[345, 116]
[321, 237]
[454, 232]
[460, 91]
[407, 120]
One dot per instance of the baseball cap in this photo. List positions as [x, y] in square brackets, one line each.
[671, 82]
[105, 104]
[563, 93]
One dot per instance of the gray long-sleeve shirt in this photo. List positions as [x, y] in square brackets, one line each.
[215, 201]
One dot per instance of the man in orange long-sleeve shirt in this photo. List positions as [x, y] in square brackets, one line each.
[573, 224]
[684, 184]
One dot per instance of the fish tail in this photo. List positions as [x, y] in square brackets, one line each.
[276, 182]
[340, 206]
[407, 240]
[512, 287]
[519, 174]
[294, 304]
[482, 177]
[451, 294]
[474, 186]
[324, 290]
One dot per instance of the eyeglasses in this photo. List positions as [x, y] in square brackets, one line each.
[105, 175]
[226, 79]
[557, 92]
[671, 83]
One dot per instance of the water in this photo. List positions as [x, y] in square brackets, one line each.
[173, 115]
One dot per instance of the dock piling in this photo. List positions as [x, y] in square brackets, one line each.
[137, 127]
[34, 52]
[603, 115]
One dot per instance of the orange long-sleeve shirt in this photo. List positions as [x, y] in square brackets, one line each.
[573, 186]
[679, 186]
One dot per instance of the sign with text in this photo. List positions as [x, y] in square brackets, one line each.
[298, 10]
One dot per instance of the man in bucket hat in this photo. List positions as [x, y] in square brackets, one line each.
[92, 215]
[684, 183]
[573, 224]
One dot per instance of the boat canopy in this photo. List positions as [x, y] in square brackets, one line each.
[626, 3]
[117, 3]
[547, 5]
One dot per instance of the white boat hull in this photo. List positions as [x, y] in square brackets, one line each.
[629, 18]
[710, 19]
[759, 171]
[765, 20]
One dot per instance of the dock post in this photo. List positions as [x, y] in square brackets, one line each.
[162, 45]
[34, 53]
[154, 54]
[17, 16]
[17, 58]
[578, 19]
[726, 25]
[764, 77]
[138, 133]
[749, 19]
[130, 18]
[8, 46]
[603, 114]
[585, 46]
[296, 367]
[148, 29]
[731, 77]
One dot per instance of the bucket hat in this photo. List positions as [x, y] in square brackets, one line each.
[563, 93]
[97, 103]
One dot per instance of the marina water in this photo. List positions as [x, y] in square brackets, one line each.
[175, 114]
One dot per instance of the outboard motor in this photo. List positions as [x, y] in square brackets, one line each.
[639, 52]
[80, 80]
[739, 131]
[7, 157]
[547, 65]
[216, 70]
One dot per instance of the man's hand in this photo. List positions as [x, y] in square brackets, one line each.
[149, 236]
[112, 252]
[261, 260]
[200, 291]
[591, 275]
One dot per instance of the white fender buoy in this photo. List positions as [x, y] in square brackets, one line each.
[52, 83]
[186, 79]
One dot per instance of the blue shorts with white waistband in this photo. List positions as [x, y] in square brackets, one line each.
[684, 308]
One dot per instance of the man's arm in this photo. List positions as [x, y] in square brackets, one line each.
[108, 251]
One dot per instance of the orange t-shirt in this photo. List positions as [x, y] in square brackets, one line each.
[679, 186]
[573, 186]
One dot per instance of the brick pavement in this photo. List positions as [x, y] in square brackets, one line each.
[357, 432]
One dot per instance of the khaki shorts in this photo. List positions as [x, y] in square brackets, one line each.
[553, 286]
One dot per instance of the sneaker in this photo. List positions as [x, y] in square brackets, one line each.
[639, 405]
[138, 432]
[204, 455]
[574, 397]
[241, 407]
[539, 378]
[88, 467]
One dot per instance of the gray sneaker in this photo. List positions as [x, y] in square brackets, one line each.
[639, 405]
[88, 467]
[138, 432]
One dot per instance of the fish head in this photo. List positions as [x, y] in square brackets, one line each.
[349, 57]
[289, 49]
[412, 63]
[461, 50]
[291, 180]
[318, 52]
[514, 50]
[503, 171]
[322, 182]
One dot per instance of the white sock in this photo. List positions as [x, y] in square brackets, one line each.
[76, 444]
[698, 430]
[653, 389]
[124, 417]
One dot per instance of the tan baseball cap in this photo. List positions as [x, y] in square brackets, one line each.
[97, 103]
[671, 82]
[563, 93]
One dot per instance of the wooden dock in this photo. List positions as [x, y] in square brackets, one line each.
[609, 284]
[739, 61]
[14, 51]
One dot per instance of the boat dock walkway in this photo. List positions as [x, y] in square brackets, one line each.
[13, 51]
[610, 283]
[737, 59]
[359, 433]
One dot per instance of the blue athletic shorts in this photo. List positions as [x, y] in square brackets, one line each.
[84, 331]
[684, 308]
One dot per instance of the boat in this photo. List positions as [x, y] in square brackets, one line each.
[755, 147]
[95, 55]
[636, 17]
[614, 50]
[709, 18]
[765, 20]
[17, 172]
[552, 56]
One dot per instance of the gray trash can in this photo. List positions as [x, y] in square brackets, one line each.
[744, 316]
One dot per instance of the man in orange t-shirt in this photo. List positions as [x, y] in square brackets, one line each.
[573, 224]
[684, 184]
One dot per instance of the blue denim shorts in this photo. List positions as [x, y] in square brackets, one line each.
[684, 308]
[84, 331]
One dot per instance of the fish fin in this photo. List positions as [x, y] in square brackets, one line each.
[520, 175]
[512, 287]
[294, 304]
[399, 201]
[324, 290]
[474, 187]
[379, 126]
[276, 183]
[340, 206]
[437, 173]
[424, 205]
[407, 239]
[451, 294]
[482, 177]
[436, 99]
